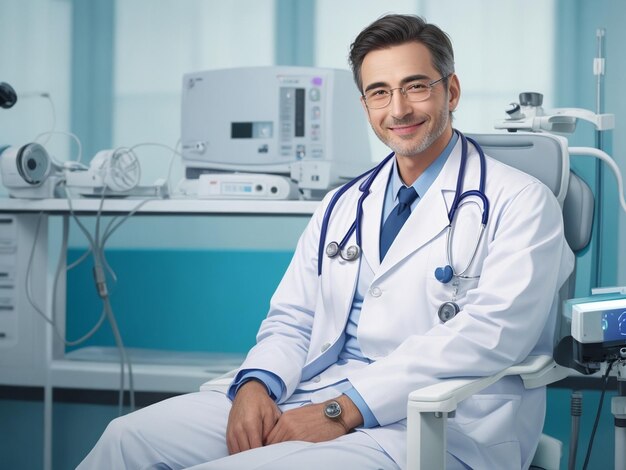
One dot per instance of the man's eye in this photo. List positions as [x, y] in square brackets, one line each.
[379, 93]
[413, 87]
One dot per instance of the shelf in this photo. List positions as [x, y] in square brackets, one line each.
[153, 371]
[159, 206]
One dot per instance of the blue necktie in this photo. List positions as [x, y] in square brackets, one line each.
[396, 219]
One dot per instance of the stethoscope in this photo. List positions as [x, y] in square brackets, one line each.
[443, 274]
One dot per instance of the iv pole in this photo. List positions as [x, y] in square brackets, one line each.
[618, 403]
[598, 71]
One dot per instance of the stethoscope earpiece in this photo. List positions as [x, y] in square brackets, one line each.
[444, 274]
[352, 252]
[332, 249]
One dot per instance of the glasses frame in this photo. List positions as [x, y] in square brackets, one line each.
[404, 93]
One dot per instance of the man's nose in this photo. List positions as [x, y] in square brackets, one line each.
[400, 105]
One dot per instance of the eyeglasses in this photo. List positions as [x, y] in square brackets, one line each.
[415, 91]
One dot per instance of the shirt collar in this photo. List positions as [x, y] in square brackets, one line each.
[426, 179]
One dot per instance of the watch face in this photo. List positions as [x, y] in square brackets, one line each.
[332, 410]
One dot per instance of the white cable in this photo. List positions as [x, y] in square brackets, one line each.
[68, 134]
[38, 310]
[97, 252]
[606, 158]
[46, 95]
[112, 228]
[119, 168]
[174, 150]
[175, 153]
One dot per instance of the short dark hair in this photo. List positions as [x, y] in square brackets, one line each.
[393, 30]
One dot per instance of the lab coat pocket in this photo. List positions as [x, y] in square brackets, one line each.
[454, 291]
[488, 419]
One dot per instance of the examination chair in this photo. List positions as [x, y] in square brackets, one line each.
[545, 157]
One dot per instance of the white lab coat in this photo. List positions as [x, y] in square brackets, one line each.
[506, 314]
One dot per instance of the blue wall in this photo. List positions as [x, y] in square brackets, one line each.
[179, 300]
[576, 87]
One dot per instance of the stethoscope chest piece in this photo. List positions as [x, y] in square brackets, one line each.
[448, 311]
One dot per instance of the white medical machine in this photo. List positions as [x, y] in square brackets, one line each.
[112, 173]
[283, 130]
[28, 172]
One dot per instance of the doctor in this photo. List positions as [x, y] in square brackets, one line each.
[345, 342]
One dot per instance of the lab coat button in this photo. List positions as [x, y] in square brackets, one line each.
[316, 379]
[376, 292]
[325, 346]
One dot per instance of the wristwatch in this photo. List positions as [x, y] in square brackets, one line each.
[332, 410]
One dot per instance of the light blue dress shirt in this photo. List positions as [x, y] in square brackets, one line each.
[351, 349]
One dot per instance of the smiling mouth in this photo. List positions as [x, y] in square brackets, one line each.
[406, 129]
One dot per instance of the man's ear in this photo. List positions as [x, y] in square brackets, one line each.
[454, 92]
[365, 108]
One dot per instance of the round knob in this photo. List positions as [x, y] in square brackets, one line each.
[531, 98]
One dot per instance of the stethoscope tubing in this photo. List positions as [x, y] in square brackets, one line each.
[356, 225]
[449, 236]
[365, 186]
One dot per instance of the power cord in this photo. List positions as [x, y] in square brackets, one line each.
[32, 302]
[595, 424]
[96, 247]
[73, 136]
[100, 264]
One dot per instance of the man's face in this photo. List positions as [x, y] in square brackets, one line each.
[409, 128]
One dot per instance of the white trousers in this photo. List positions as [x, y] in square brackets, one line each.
[189, 431]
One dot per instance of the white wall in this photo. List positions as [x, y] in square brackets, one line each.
[157, 42]
[495, 57]
[35, 52]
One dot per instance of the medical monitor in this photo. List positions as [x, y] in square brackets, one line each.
[265, 119]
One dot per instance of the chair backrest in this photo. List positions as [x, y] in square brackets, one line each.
[545, 157]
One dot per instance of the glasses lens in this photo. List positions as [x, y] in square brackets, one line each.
[378, 98]
[417, 91]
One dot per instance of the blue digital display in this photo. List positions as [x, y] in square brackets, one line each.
[614, 325]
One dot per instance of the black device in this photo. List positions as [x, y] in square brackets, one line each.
[8, 97]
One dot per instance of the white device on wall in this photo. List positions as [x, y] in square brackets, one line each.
[28, 171]
[303, 123]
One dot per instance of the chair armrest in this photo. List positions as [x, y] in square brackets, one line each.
[444, 396]
[428, 407]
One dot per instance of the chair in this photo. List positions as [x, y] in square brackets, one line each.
[548, 454]
[544, 156]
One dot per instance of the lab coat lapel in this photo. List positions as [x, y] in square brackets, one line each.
[372, 214]
[429, 218]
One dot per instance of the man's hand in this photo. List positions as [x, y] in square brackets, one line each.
[252, 417]
[308, 423]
